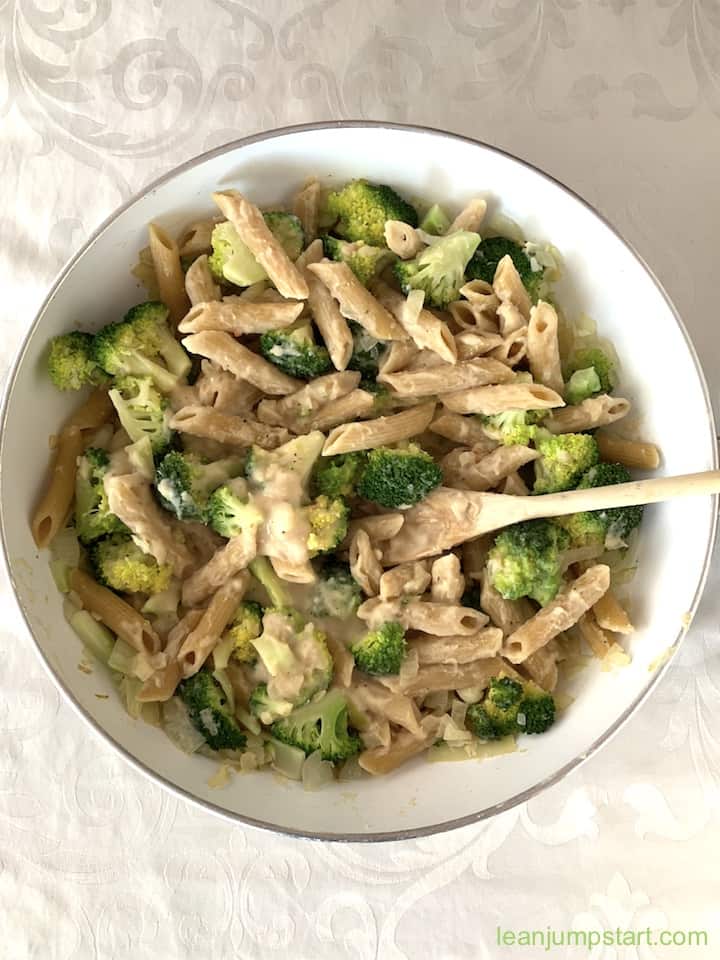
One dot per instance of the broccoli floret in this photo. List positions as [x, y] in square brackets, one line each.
[184, 482]
[231, 260]
[399, 478]
[366, 353]
[525, 560]
[435, 221]
[295, 352]
[619, 521]
[381, 651]
[584, 529]
[595, 359]
[93, 518]
[262, 570]
[120, 564]
[321, 725]
[510, 707]
[228, 511]
[328, 519]
[336, 593]
[362, 209]
[209, 712]
[564, 458]
[295, 655]
[581, 385]
[266, 708]
[488, 255]
[142, 411]
[245, 626]
[512, 426]
[536, 712]
[141, 345]
[439, 270]
[365, 261]
[338, 476]
[71, 363]
[381, 396]
[293, 460]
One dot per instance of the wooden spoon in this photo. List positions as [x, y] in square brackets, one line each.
[448, 517]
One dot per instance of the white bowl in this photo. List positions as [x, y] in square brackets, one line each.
[604, 277]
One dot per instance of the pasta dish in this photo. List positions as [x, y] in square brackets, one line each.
[261, 514]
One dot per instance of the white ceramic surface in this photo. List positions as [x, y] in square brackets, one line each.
[96, 287]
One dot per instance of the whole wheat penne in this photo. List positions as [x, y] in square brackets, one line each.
[500, 397]
[513, 348]
[365, 563]
[235, 431]
[313, 253]
[264, 246]
[462, 430]
[426, 330]
[591, 413]
[543, 350]
[456, 650]
[472, 343]
[343, 661]
[357, 403]
[631, 453]
[509, 287]
[470, 217]
[372, 697]
[509, 319]
[542, 666]
[239, 317]
[200, 285]
[228, 561]
[294, 572]
[379, 432]
[508, 615]
[447, 580]
[447, 378]
[356, 302]
[199, 643]
[611, 615]
[218, 388]
[407, 579]
[382, 526]
[124, 620]
[474, 469]
[197, 238]
[169, 274]
[559, 614]
[91, 414]
[306, 206]
[514, 486]
[243, 363]
[403, 747]
[477, 314]
[440, 619]
[593, 635]
[53, 508]
[403, 239]
[432, 677]
[474, 556]
[330, 322]
[296, 409]
[161, 685]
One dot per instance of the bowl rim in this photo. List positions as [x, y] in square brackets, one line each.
[208, 805]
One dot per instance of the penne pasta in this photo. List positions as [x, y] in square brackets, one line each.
[161, 685]
[228, 561]
[470, 217]
[306, 206]
[381, 527]
[434, 677]
[200, 285]
[447, 580]
[591, 413]
[474, 556]
[508, 615]
[169, 274]
[509, 319]
[356, 404]
[365, 564]
[294, 572]
[543, 351]
[379, 432]
[542, 666]
[447, 378]
[372, 697]
[115, 613]
[235, 431]
[407, 579]
[403, 239]
[199, 643]
[343, 661]
[440, 619]
[93, 413]
[456, 650]
[509, 287]
[462, 430]
[593, 635]
[402, 748]
[475, 469]
[330, 322]
[631, 453]
[239, 317]
[197, 238]
[296, 409]
[513, 349]
[611, 615]
[217, 388]
[356, 302]
[227, 353]
[501, 397]
[264, 246]
[52, 511]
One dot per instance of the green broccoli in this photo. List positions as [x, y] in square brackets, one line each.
[328, 519]
[510, 707]
[294, 351]
[184, 482]
[293, 460]
[243, 629]
[435, 221]
[228, 510]
[266, 708]
[366, 352]
[381, 651]
[512, 426]
[71, 364]
[262, 570]
[295, 655]
[484, 263]
[209, 712]
[335, 593]
[365, 261]
[362, 209]
[120, 564]
[140, 345]
[338, 476]
[398, 478]
[619, 521]
[93, 518]
[231, 260]
[564, 458]
[590, 371]
[526, 560]
[382, 398]
[439, 270]
[142, 411]
[321, 725]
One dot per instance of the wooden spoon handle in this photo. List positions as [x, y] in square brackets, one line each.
[621, 494]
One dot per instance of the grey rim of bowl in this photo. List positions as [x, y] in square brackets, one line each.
[396, 834]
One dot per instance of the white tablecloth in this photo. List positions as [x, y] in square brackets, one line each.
[618, 98]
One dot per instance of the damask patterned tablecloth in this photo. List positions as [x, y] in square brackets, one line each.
[618, 98]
